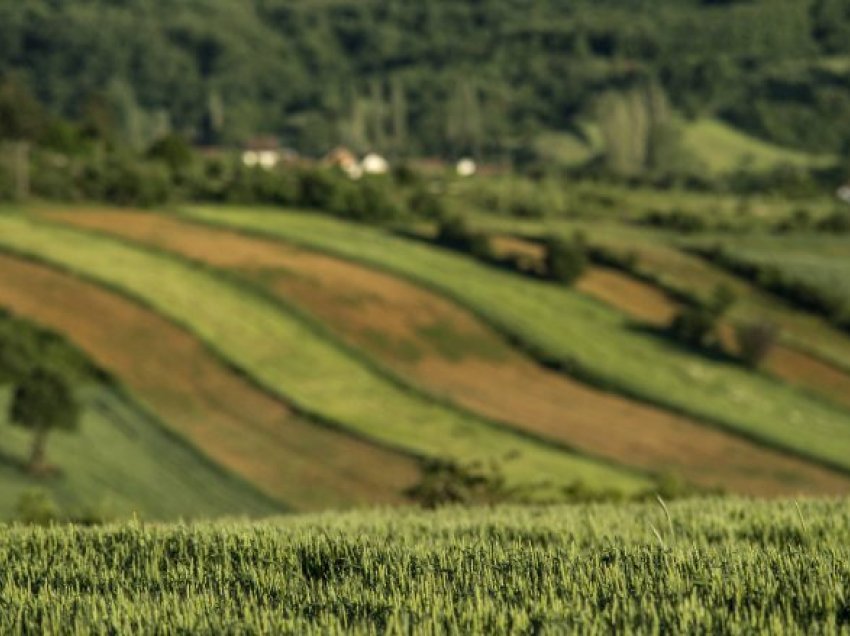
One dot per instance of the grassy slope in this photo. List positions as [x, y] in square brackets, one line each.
[288, 357]
[445, 350]
[715, 566]
[724, 149]
[659, 257]
[792, 360]
[122, 462]
[221, 413]
[576, 329]
[821, 260]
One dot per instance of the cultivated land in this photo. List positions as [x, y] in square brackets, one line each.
[291, 357]
[711, 566]
[794, 360]
[119, 463]
[230, 420]
[582, 334]
[447, 350]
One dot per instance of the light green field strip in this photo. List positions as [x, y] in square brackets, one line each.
[118, 463]
[289, 358]
[568, 326]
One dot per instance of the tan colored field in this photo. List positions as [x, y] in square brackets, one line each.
[236, 425]
[449, 352]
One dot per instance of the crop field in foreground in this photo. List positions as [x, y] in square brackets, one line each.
[288, 357]
[232, 422]
[580, 332]
[711, 566]
[447, 350]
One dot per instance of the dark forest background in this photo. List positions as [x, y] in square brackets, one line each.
[436, 77]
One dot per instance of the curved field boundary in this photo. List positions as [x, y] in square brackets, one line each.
[123, 462]
[288, 357]
[449, 351]
[651, 304]
[218, 411]
[581, 336]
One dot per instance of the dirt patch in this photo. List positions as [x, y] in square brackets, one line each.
[238, 426]
[633, 297]
[359, 303]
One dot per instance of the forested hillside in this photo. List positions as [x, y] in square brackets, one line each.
[442, 77]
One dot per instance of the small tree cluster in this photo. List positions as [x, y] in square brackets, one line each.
[697, 326]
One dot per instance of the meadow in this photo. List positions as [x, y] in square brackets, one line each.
[120, 463]
[579, 334]
[730, 566]
[290, 358]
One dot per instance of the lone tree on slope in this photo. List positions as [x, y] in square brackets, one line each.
[43, 402]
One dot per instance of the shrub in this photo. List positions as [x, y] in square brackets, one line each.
[565, 260]
[695, 327]
[755, 342]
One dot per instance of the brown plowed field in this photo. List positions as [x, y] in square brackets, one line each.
[448, 351]
[233, 423]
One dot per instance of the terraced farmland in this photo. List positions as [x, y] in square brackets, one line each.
[230, 420]
[291, 358]
[595, 341]
[796, 361]
[449, 351]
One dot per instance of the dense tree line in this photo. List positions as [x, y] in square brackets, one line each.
[444, 77]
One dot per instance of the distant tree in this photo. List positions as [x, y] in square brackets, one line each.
[173, 150]
[565, 260]
[43, 402]
[755, 342]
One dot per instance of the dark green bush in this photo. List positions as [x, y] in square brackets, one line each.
[565, 260]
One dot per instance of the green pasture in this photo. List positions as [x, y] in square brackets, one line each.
[289, 357]
[118, 464]
[705, 566]
[596, 342]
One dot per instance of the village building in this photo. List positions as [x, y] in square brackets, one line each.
[263, 152]
[374, 164]
[342, 158]
[466, 167]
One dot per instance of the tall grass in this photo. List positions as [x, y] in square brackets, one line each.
[709, 567]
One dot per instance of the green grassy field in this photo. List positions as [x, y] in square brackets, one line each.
[121, 463]
[660, 257]
[820, 260]
[712, 566]
[584, 334]
[723, 149]
[288, 357]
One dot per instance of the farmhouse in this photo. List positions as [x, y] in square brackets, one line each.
[342, 158]
[264, 152]
[374, 164]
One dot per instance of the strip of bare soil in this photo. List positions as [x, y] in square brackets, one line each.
[233, 423]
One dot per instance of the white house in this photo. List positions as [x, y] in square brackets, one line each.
[374, 164]
[466, 167]
[264, 152]
[844, 193]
